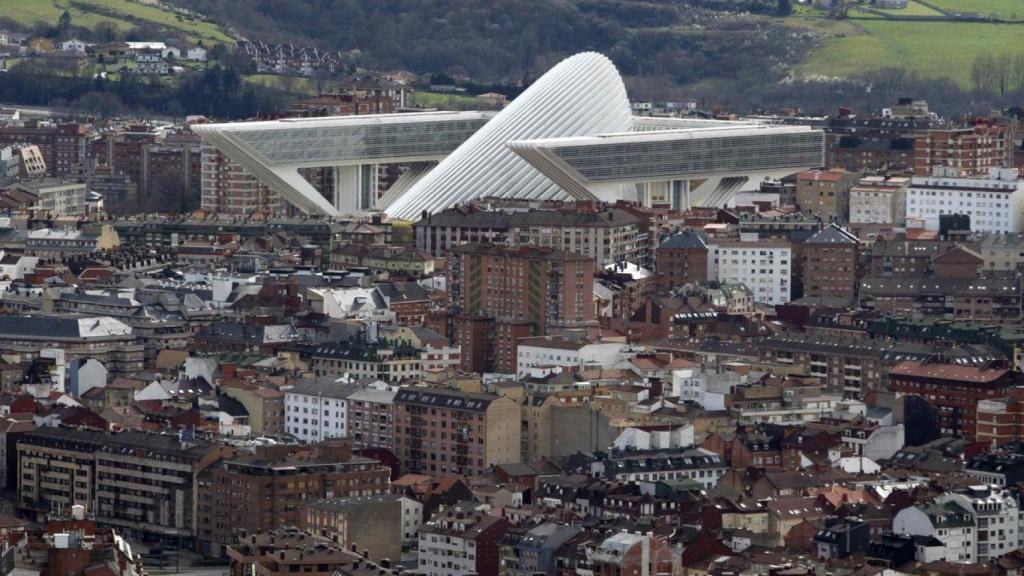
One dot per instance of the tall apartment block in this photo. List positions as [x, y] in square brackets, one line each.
[504, 293]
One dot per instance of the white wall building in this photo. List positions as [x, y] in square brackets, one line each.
[994, 204]
[315, 410]
[555, 351]
[649, 438]
[689, 384]
[996, 515]
[950, 523]
[879, 200]
[765, 266]
[874, 442]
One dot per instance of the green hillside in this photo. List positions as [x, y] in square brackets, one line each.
[123, 14]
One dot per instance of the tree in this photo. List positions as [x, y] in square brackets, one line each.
[785, 8]
[64, 24]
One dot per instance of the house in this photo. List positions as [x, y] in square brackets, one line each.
[196, 54]
[73, 45]
[151, 64]
[170, 53]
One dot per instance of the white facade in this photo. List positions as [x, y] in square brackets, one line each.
[689, 384]
[878, 444]
[315, 417]
[938, 521]
[997, 517]
[552, 352]
[73, 45]
[196, 54]
[763, 266]
[877, 200]
[994, 204]
[640, 439]
[580, 96]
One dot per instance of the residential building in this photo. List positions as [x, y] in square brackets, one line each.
[382, 525]
[290, 551]
[315, 410]
[228, 188]
[142, 483]
[266, 489]
[955, 389]
[460, 543]
[371, 416]
[765, 266]
[109, 341]
[522, 292]
[994, 203]
[63, 145]
[574, 354]
[879, 200]
[972, 150]
[55, 197]
[949, 522]
[825, 193]
[448, 432]
[356, 360]
[995, 513]
[830, 265]
[681, 259]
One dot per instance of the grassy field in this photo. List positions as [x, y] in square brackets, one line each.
[296, 85]
[862, 45]
[442, 101]
[121, 13]
[1010, 9]
[913, 9]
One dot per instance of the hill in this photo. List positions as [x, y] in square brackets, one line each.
[122, 15]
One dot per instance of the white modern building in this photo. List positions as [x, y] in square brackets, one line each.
[994, 204]
[570, 136]
[315, 410]
[764, 266]
[568, 353]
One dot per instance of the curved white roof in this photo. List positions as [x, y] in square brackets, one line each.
[583, 95]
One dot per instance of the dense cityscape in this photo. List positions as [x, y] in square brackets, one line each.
[418, 325]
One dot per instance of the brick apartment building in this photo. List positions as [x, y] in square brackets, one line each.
[954, 389]
[830, 264]
[680, 260]
[972, 149]
[149, 163]
[498, 294]
[263, 490]
[441, 432]
[63, 145]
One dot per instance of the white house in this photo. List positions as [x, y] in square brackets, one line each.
[151, 64]
[15, 267]
[873, 441]
[73, 45]
[170, 53]
[566, 352]
[689, 384]
[764, 266]
[655, 437]
[315, 410]
[196, 54]
[994, 204]
[356, 303]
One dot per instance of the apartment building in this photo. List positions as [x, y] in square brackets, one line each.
[144, 484]
[382, 524]
[879, 200]
[371, 416]
[461, 543]
[358, 360]
[315, 410]
[110, 341]
[228, 188]
[830, 264]
[994, 203]
[764, 266]
[288, 550]
[63, 145]
[948, 522]
[442, 432]
[681, 259]
[995, 513]
[265, 489]
[502, 294]
[825, 193]
[608, 236]
[954, 389]
[972, 150]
